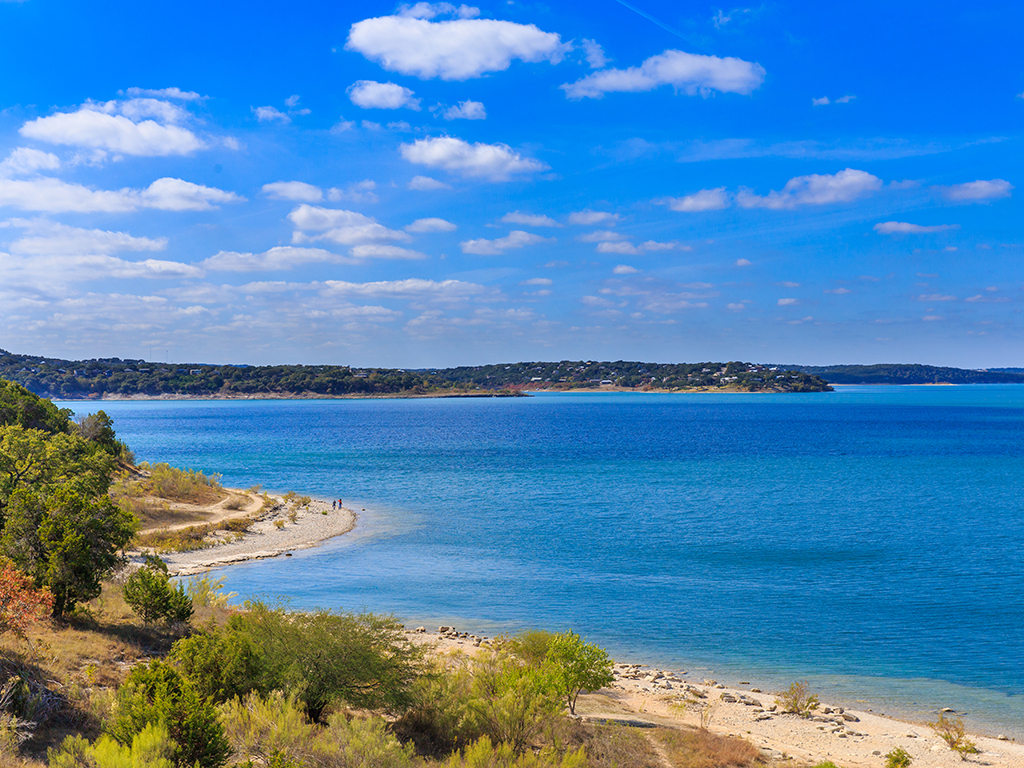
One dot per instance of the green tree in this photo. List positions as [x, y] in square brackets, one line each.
[150, 594]
[578, 666]
[67, 541]
[20, 407]
[157, 694]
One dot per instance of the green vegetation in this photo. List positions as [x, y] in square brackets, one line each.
[898, 758]
[951, 731]
[150, 594]
[797, 699]
[897, 373]
[113, 377]
[578, 666]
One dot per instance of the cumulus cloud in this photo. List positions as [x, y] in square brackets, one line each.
[270, 114]
[369, 94]
[815, 189]
[166, 93]
[298, 191]
[466, 110]
[56, 196]
[706, 200]
[620, 246]
[743, 262]
[340, 226]
[426, 184]
[786, 302]
[359, 192]
[594, 54]
[98, 126]
[412, 288]
[903, 228]
[457, 49]
[537, 281]
[529, 219]
[624, 269]
[494, 162]
[601, 236]
[44, 237]
[432, 10]
[821, 102]
[378, 251]
[690, 73]
[430, 225]
[517, 238]
[588, 218]
[276, 259]
[24, 161]
[977, 191]
[49, 273]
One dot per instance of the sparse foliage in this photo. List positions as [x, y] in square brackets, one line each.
[578, 666]
[898, 758]
[798, 699]
[951, 731]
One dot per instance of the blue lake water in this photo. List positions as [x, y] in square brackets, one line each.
[870, 540]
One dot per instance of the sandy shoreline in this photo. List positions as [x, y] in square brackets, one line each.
[643, 696]
[287, 528]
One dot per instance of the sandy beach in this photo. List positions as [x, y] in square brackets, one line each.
[643, 696]
[285, 528]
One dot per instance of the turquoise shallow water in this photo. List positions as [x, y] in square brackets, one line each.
[870, 540]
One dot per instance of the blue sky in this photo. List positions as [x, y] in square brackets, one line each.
[435, 184]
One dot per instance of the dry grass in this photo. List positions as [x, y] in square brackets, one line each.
[161, 495]
[699, 748]
[607, 746]
[194, 537]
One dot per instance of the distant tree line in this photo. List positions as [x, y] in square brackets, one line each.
[112, 377]
[892, 373]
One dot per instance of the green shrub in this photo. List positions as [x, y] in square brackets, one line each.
[797, 699]
[157, 694]
[152, 747]
[951, 731]
[220, 665]
[531, 646]
[208, 593]
[485, 754]
[898, 758]
[149, 593]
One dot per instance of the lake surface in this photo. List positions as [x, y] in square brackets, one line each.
[870, 540]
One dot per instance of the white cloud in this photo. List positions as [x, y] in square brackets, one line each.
[50, 273]
[529, 219]
[360, 192]
[654, 245]
[340, 226]
[601, 236]
[56, 196]
[165, 111]
[369, 94]
[299, 191]
[466, 110]
[430, 10]
[690, 73]
[706, 200]
[977, 191]
[269, 114]
[594, 53]
[166, 93]
[588, 218]
[786, 302]
[276, 259]
[537, 281]
[515, 239]
[413, 288]
[821, 102]
[24, 161]
[94, 126]
[50, 238]
[624, 269]
[169, 194]
[426, 184]
[451, 50]
[743, 262]
[815, 189]
[903, 228]
[618, 247]
[845, 99]
[430, 225]
[377, 251]
[495, 162]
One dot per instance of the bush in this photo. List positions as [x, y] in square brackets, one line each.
[798, 699]
[208, 593]
[20, 604]
[484, 754]
[531, 646]
[150, 594]
[152, 747]
[156, 694]
[898, 758]
[951, 731]
[218, 664]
